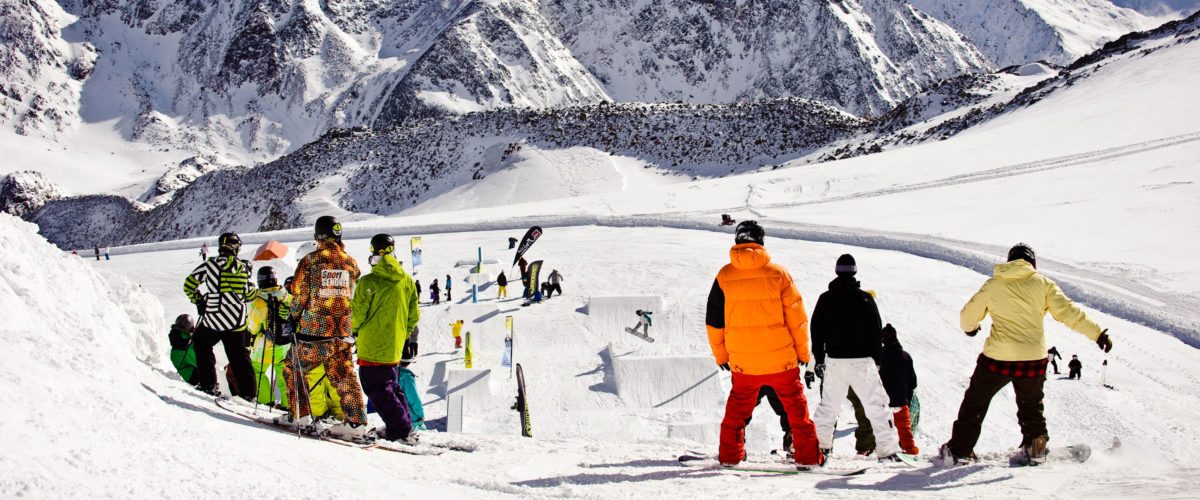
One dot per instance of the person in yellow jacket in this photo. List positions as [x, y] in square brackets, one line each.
[757, 328]
[456, 330]
[1017, 297]
[266, 355]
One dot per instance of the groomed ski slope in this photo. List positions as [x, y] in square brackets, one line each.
[1101, 179]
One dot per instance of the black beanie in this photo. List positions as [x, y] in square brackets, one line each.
[845, 265]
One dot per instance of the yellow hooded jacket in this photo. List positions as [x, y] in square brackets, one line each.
[1018, 298]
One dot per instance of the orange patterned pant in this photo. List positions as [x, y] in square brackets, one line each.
[339, 367]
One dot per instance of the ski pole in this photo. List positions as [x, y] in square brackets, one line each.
[262, 357]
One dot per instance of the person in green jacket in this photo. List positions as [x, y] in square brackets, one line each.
[182, 354]
[1017, 297]
[384, 311]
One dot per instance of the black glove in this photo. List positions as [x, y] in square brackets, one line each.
[1103, 341]
[820, 370]
[286, 333]
[724, 366]
[410, 351]
[199, 307]
[809, 378]
[972, 332]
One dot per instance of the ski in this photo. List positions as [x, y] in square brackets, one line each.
[767, 467]
[374, 444]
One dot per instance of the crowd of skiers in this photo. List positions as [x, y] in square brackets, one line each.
[303, 336]
[758, 330]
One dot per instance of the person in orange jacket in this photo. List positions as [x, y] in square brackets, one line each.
[758, 329]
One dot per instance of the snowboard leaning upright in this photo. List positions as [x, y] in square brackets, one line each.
[522, 405]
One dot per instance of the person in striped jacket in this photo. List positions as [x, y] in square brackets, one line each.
[220, 287]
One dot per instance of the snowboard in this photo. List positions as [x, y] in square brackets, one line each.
[901, 458]
[522, 405]
[645, 337]
[709, 462]
[1078, 453]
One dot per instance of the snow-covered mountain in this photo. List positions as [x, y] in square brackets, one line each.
[1015, 32]
[41, 73]
[863, 56]
[385, 172]
[400, 169]
[253, 79]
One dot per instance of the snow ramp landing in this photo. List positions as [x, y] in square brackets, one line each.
[613, 314]
[676, 382]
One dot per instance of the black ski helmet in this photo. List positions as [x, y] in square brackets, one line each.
[327, 228]
[229, 243]
[382, 244]
[749, 232]
[184, 322]
[267, 277]
[1022, 251]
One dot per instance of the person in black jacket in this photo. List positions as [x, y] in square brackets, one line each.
[502, 284]
[1075, 368]
[846, 328]
[1053, 353]
[900, 380]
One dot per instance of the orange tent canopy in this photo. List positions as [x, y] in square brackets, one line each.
[270, 250]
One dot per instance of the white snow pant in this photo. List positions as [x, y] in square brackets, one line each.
[862, 375]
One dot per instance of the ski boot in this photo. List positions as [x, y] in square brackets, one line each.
[349, 432]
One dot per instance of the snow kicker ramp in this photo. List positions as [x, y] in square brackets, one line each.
[613, 314]
[668, 382]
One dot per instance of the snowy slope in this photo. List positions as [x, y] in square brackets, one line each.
[1101, 177]
[1016, 32]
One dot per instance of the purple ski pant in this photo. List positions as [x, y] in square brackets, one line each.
[387, 396]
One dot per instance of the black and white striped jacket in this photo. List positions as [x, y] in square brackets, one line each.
[228, 287]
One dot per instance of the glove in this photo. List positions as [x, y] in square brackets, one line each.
[199, 307]
[809, 378]
[972, 332]
[724, 366]
[410, 350]
[820, 371]
[286, 334]
[1103, 341]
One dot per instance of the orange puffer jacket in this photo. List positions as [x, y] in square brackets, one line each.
[756, 320]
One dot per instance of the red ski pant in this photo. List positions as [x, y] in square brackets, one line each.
[903, 422]
[740, 405]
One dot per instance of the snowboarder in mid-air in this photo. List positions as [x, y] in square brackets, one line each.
[643, 323]
[1017, 297]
